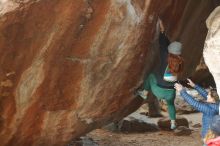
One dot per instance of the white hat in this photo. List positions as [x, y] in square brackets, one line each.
[175, 48]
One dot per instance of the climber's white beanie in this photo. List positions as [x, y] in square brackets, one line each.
[175, 48]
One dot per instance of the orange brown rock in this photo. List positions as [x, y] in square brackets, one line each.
[70, 66]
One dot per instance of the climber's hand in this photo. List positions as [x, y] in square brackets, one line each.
[178, 87]
[161, 25]
[190, 82]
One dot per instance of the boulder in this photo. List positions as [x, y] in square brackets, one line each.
[164, 123]
[154, 106]
[83, 141]
[113, 127]
[137, 123]
[211, 50]
[65, 65]
[197, 125]
[182, 131]
[151, 107]
[70, 66]
[202, 76]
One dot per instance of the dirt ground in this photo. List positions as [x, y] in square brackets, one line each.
[162, 138]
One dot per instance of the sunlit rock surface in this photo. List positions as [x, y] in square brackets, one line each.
[212, 46]
[70, 66]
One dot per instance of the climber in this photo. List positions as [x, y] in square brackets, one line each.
[209, 108]
[212, 138]
[161, 81]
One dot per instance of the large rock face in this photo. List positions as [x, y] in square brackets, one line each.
[212, 46]
[69, 66]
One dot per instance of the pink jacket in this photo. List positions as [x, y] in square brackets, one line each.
[214, 142]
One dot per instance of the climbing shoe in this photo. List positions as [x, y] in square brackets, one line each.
[142, 94]
[173, 125]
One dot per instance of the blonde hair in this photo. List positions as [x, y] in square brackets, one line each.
[210, 135]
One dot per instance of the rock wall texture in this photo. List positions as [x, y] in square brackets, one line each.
[70, 66]
[189, 27]
[202, 75]
[212, 46]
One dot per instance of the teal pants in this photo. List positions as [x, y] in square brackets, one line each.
[150, 84]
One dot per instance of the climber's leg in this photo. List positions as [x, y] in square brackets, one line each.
[148, 82]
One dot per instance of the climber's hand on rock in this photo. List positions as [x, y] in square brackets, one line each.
[161, 25]
[178, 87]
